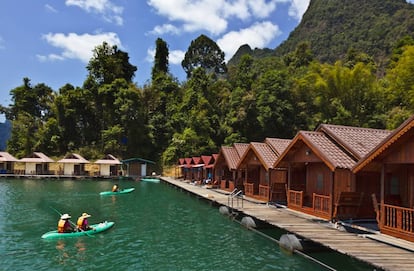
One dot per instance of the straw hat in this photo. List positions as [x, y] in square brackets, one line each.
[65, 216]
[86, 215]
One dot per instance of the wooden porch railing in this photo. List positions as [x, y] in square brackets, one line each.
[397, 218]
[295, 198]
[248, 189]
[321, 204]
[264, 192]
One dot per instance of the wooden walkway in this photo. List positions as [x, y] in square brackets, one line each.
[374, 251]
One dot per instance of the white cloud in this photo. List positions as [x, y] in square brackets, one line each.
[50, 8]
[165, 29]
[76, 46]
[298, 8]
[410, 1]
[212, 16]
[109, 11]
[175, 57]
[258, 35]
[2, 46]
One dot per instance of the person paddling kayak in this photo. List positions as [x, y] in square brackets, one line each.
[64, 225]
[82, 223]
[115, 188]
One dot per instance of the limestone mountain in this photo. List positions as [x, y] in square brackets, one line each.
[332, 27]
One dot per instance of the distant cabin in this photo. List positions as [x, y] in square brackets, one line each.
[108, 166]
[136, 167]
[7, 162]
[73, 164]
[36, 164]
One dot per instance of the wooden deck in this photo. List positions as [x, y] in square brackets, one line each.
[379, 250]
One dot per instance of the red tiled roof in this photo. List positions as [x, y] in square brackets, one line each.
[356, 140]
[231, 156]
[188, 160]
[327, 150]
[388, 142]
[241, 148]
[323, 147]
[277, 144]
[207, 159]
[196, 160]
[263, 152]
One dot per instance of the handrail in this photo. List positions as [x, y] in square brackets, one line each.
[235, 194]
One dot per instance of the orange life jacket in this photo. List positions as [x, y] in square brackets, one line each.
[80, 222]
[63, 226]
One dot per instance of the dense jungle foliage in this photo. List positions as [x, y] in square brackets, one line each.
[218, 104]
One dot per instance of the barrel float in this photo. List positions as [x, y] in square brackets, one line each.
[290, 242]
[248, 222]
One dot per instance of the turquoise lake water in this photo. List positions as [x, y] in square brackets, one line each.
[157, 227]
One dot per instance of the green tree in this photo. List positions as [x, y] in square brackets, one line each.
[161, 65]
[204, 53]
[109, 63]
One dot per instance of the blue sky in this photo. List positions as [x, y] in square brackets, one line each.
[51, 41]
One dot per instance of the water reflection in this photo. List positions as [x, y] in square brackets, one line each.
[67, 252]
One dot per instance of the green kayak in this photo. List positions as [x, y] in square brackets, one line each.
[123, 191]
[151, 180]
[97, 228]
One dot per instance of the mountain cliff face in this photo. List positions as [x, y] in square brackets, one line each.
[332, 27]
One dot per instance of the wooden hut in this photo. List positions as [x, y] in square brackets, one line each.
[197, 169]
[7, 162]
[256, 163]
[108, 166]
[225, 166]
[137, 167]
[36, 164]
[389, 170]
[319, 163]
[278, 176]
[180, 169]
[73, 164]
[208, 161]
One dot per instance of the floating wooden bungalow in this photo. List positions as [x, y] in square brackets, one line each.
[197, 169]
[389, 170]
[278, 176]
[320, 181]
[256, 163]
[179, 172]
[7, 162]
[260, 178]
[137, 167]
[208, 161]
[108, 166]
[225, 166]
[73, 164]
[187, 171]
[37, 164]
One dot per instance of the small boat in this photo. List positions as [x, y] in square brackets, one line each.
[123, 191]
[96, 228]
[151, 180]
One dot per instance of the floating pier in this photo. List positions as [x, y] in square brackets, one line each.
[381, 251]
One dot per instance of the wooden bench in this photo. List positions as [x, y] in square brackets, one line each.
[347, 205]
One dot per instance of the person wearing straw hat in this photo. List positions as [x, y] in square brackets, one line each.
[82, 223]
[64, 224]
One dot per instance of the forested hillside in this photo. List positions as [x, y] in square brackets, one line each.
[334, 27]
[247, 100]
